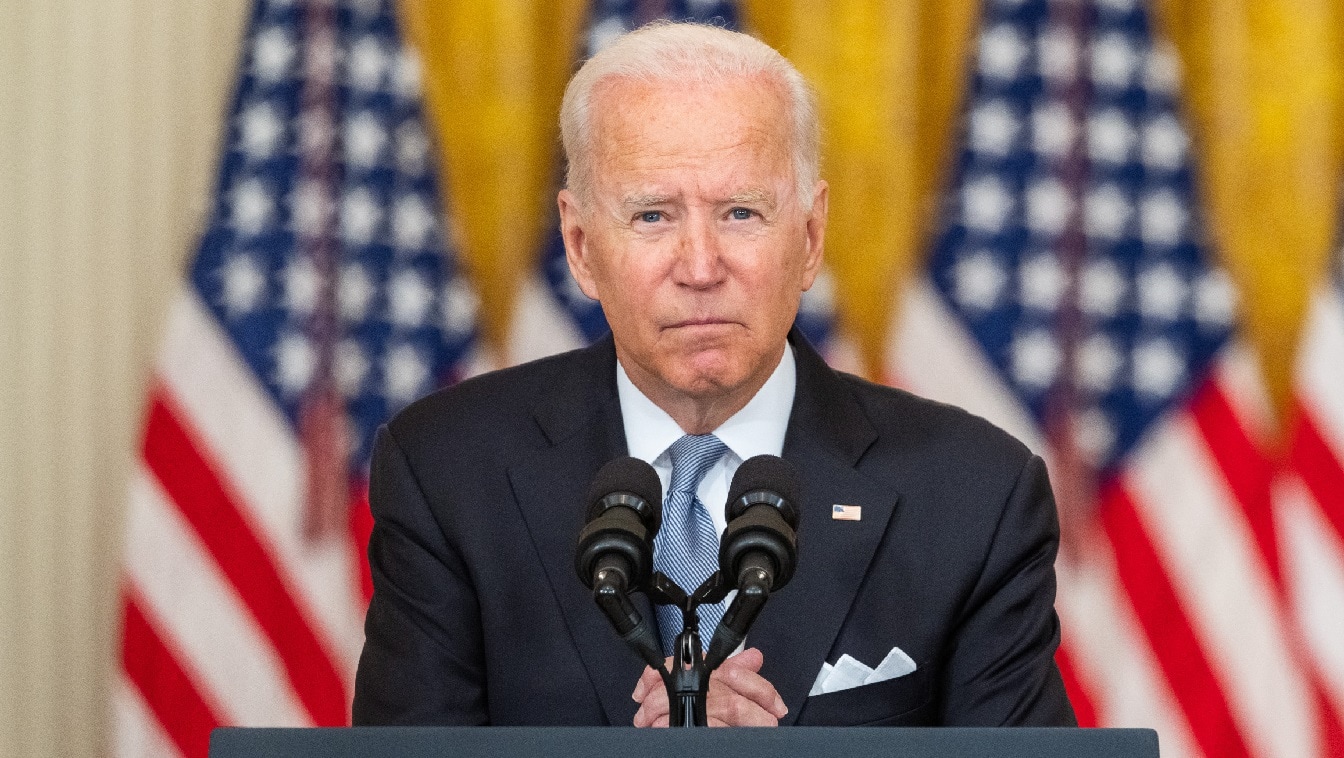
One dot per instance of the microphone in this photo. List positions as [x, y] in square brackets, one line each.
[615, 552]
[759, 548]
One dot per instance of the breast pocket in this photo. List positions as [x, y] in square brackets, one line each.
[903, 701]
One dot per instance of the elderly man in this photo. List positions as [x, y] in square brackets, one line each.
[695, 215]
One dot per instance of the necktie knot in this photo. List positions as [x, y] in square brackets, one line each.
[692, 457]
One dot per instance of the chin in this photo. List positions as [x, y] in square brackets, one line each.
[700, 378]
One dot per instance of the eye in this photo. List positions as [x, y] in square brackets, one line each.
[740, 214]
[651, 217]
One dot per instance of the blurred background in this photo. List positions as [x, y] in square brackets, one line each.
[235, 236]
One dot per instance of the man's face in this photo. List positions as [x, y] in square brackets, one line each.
[694, 239]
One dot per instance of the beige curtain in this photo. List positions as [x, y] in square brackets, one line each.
[109, 126]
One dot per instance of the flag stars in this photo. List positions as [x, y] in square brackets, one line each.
[986, 203]
[1215, 299]
[1042, 282]
[994, 127]
[367, 63]
[1058, 50]
[251, 206]
[1162, 293]
[412, 221]
[1002, 51]
[354, 292]
[1114, 61]
[1164, 143]
[365, 139]
[1161, 69]
[1099, 363]
[295, 362]
[1110, 137]
[1048, 207]
[412, 148]
[408, 299]
[1158, 368]
[311, 208]
[458, 307]
[1102, 288]
[1036, 359]
[406, 75]
[980, 280]
[360, 216]
[273, 53]
[301, 284]
[1053, 130]
[260, 129]
[244, 283]
[1107, 212]
[1162, 218]
[405, 375]
[317, 133]
[351, 367]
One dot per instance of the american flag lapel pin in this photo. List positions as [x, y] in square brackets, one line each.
[846, 512]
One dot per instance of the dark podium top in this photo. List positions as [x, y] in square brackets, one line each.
[628, 742]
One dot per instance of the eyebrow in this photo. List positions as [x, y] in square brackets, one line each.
[761, 196]
[644, 201]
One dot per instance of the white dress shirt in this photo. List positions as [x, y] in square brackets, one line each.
[757, 429]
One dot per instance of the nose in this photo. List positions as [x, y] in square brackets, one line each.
[699, 262]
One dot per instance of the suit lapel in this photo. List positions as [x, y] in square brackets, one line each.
[828, 434]
[581, 418]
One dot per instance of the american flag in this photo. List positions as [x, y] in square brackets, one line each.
[1309, 496]
[556, 315]
[323, 297]
[1071, 297]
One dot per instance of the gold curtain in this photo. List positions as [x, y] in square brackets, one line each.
[889, 75]
[494, 74]
[1264, 90]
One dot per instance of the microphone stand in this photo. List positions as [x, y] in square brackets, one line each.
[687, 682]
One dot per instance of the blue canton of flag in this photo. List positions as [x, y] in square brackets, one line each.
[1072, 252]
[325, 255]
[610, 19]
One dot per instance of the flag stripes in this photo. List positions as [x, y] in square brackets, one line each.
[165, 686]
[177, 583]
[257, 453]
[1309, 502]
[1170, 633]
[1117, 670]
[189, 482]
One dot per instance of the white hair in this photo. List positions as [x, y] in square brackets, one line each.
[665, 51]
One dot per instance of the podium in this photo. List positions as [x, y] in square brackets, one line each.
[628, 742]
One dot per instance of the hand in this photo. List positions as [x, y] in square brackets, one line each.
[738, 695]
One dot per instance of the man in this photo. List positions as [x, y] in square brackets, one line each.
[695, 215]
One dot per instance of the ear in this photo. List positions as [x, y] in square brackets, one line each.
[816, 233]
[576, 242]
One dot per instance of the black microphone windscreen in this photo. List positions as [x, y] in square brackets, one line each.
[626, 474]
[766, 472]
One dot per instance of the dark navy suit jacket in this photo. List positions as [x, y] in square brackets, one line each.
[478, 616]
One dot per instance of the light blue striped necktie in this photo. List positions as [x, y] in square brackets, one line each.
[687, 546]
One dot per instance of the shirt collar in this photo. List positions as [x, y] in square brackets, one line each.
[757, 429]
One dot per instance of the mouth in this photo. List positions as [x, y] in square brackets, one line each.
[691, 323]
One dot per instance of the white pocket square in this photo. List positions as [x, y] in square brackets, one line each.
[848, 672]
